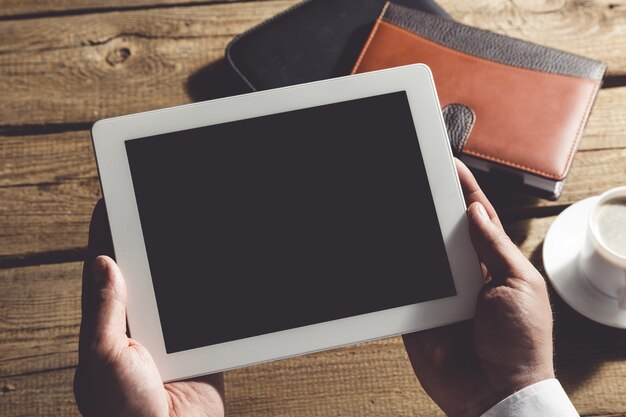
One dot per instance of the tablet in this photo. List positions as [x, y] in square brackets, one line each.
[288, 221]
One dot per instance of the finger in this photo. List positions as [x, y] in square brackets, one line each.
[472, 191]
[499, 254]
[99, 244]
[110, 303]
[102, 333]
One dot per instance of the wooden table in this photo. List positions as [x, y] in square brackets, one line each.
[66, 63]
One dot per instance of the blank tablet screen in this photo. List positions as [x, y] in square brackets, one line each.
[287, 220]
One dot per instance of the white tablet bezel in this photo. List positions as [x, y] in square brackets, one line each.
[109, 136]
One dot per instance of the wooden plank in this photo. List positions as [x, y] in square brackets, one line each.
[218, 22]
[606, 127]
[40, 310]
[46, 158]
[45, 394]
[367, 379]
[42, 307]
[29, 7]
[596, 29]
[39, 218]
[76, 69]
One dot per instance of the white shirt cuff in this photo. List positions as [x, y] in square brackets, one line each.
[542, 399]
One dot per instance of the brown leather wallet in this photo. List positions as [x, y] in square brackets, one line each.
[510, 106]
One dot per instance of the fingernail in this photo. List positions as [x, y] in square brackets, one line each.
[99, 270]
[481, 211]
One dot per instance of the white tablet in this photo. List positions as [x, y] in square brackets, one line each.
[288, 221]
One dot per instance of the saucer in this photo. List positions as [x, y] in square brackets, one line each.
[561, 248]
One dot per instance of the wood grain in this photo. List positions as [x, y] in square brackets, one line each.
[74, 32]
[38, 218]
[82, 68]
[368, 379]
[606, 127]
[46, 159]
[76, 69]
[40, 310]
[45, 394]
[46, 7]
[41, 305]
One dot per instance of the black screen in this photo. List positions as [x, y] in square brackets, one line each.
[286, 220]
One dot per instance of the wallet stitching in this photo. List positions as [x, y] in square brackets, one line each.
[570, 155]
[581, 126]
[544, 74]
[512, 164]
[370, 39]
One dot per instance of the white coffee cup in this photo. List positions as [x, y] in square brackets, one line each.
[603, 264]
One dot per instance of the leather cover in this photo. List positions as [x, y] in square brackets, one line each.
[314, 40]
[504, 100]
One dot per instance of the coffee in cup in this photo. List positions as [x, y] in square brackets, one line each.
[611, 224]
[603, 257]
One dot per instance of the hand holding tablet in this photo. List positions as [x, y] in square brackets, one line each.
[306, 218]
[469, 367]
[455, 363]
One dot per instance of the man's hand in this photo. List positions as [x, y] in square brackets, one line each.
[116, 376]
[469, 367]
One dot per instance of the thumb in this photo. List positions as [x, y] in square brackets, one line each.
[496, 250]
[109, 324]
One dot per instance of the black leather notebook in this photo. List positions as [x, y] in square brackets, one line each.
[314, 40]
